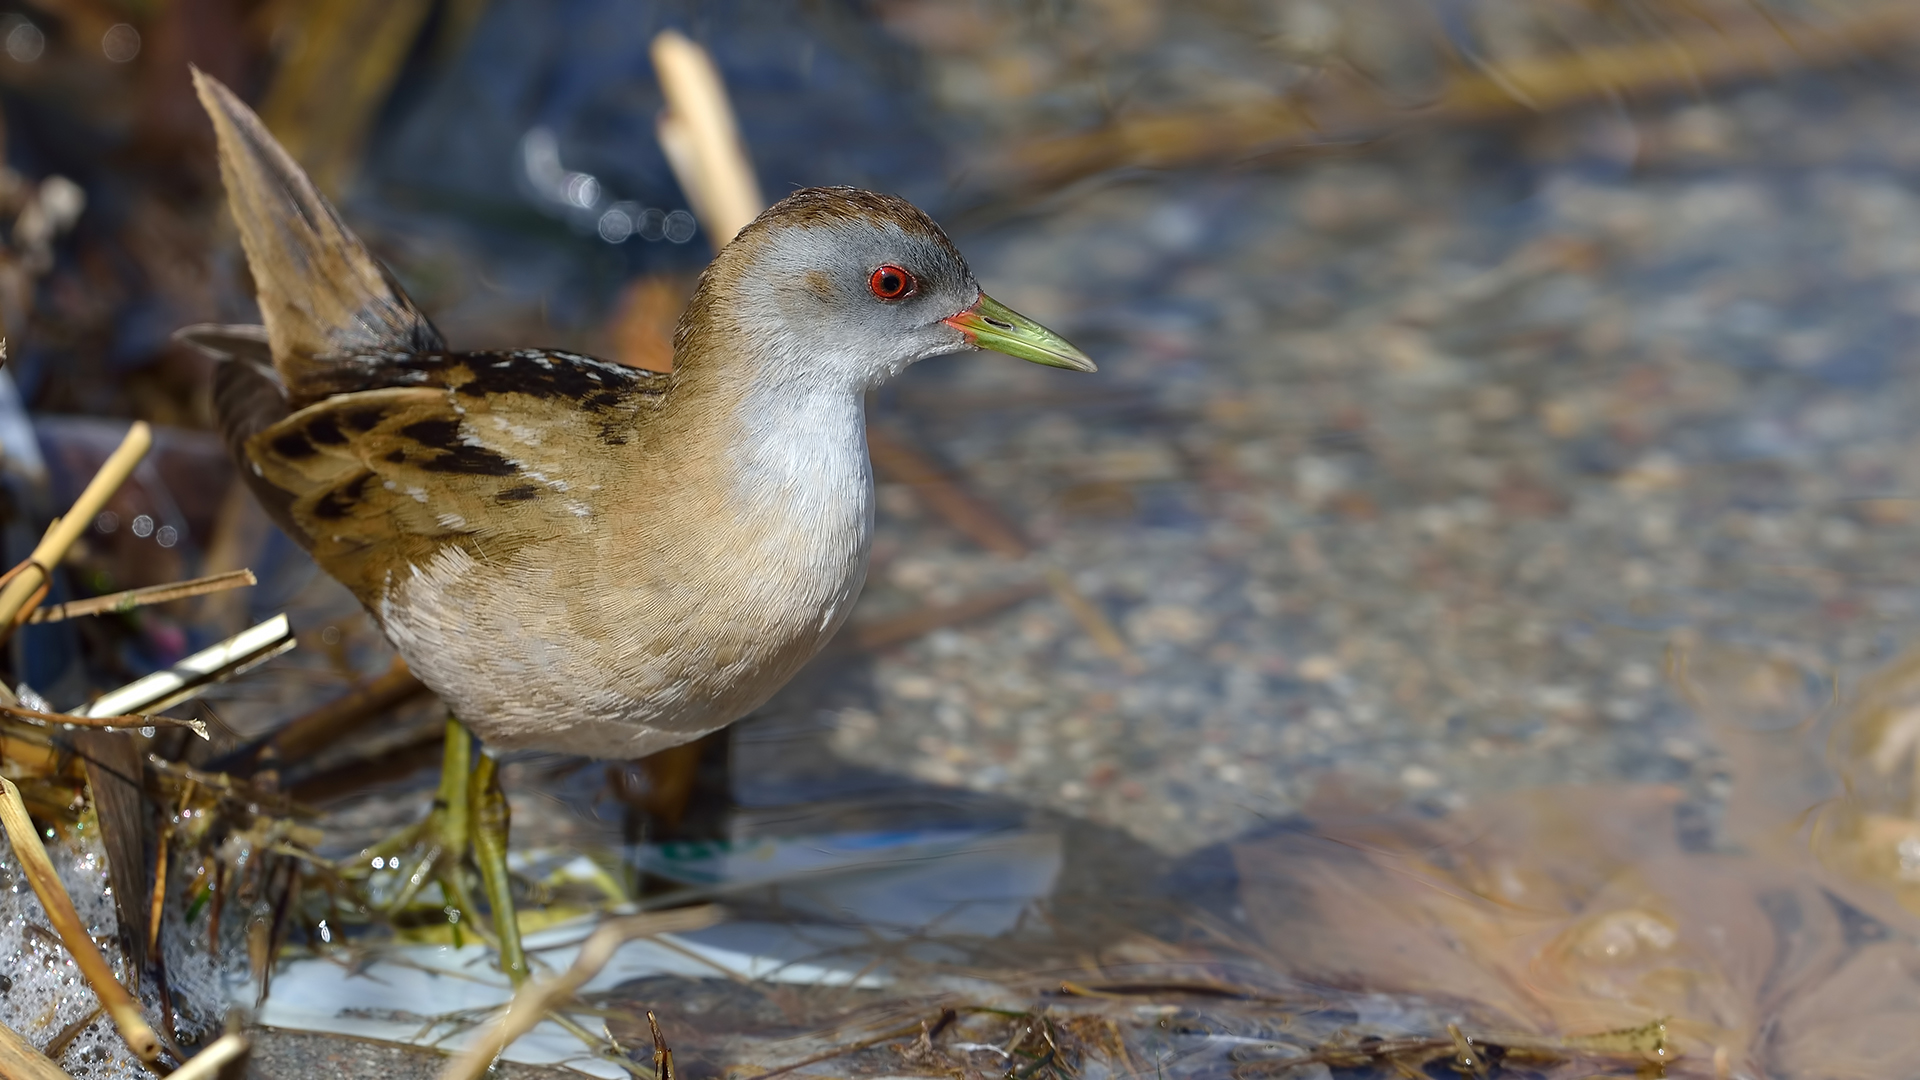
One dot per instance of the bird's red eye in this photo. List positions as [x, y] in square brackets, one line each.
[892, 282]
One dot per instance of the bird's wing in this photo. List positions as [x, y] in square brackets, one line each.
[482, 450]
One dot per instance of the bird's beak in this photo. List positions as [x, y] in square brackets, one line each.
[990, 324]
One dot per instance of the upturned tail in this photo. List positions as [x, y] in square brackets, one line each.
[323, 295]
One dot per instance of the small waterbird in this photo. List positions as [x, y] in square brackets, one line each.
[576, 555]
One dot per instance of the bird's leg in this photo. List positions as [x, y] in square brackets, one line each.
[436, 848]
[659, 791]
[441, 840]
[490, 818]
[672, 775]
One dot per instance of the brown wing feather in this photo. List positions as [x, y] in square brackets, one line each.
[380, 479]
[368, 442]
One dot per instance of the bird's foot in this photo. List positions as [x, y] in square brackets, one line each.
[469, 818]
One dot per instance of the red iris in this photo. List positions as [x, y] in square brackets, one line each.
[892, 282]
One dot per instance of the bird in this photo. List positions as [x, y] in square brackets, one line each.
[575, 555]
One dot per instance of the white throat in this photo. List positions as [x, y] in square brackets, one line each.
[801, 475]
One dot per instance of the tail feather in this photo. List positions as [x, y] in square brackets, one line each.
[322, 294]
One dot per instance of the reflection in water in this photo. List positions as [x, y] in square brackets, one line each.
[1619, 928]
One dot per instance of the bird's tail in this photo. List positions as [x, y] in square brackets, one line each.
[322, 295]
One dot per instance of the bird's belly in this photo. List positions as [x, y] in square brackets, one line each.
[615, 669]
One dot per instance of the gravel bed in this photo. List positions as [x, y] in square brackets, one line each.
[1409, 473]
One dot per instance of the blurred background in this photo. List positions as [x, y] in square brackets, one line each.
[1505, 407]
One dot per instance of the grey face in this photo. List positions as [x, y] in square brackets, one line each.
[857, 301]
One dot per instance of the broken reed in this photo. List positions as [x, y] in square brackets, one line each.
[1750, 47]
[153, 594]
[20, 1060]
[124, 722]
[119, 1004]
[701, 138]
[212, 1061]
[537, 999]
[19, 593]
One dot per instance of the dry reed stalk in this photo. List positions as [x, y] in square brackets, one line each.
[216, 663]
[534, 1000]
[120, 1005]
[360, 774]
[25, 757]
[883, 633]
[158, 891]
[116, 776]
[905, 1032]
[18, 592]
[662, 1054]
[1680, 62]
[208, 1063]
[344, 715]
[240, 532]
[20, 1060]
[124, 720]
[1093, 622]
[903, 463]
[339, 65]
[701, 139]
[643, 330]
[62, 1040]
[152, 594]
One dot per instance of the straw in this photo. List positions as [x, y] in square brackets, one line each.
[1676, 62]
[207, 1063]
[19, 1060]
[18, 592]
[152, 594]
[536, 999]
[119, 722]
[885, 633]
[901, 462]
[163, 689]
[328, 723]
[698, 133]
[66, 922]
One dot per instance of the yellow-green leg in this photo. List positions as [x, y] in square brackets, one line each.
[469, 815]
[490, 819]
[438, 844]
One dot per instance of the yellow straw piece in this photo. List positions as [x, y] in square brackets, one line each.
[53, 896]
[53, 547]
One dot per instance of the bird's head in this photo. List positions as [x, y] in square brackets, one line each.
[848, 286]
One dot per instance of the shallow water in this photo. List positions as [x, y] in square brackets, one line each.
[1474, 591]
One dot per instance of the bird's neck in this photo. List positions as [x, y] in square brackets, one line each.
[770, 435]
[801, 441]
